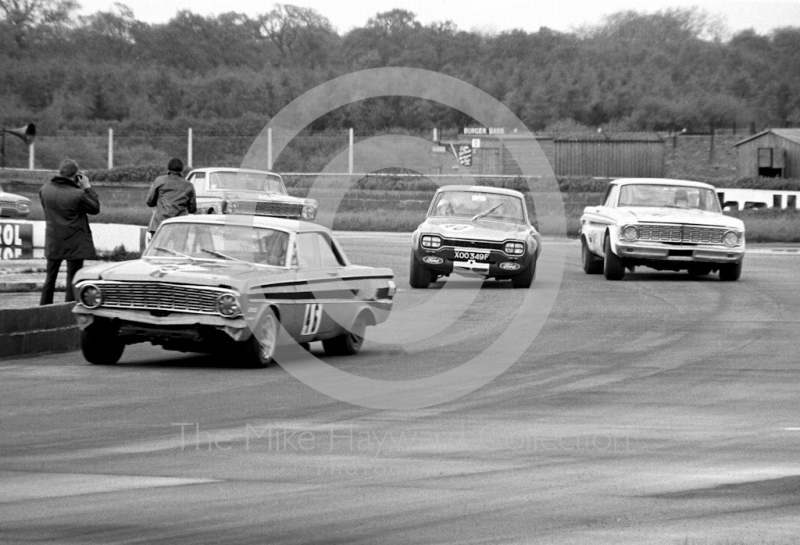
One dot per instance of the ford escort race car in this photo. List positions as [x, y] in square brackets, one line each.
[479, 229]
[662, 224]
[246, 191]
[234, 288]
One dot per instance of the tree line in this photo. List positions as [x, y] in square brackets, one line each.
[669, 70]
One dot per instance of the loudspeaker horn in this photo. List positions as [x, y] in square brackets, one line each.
[26, 132]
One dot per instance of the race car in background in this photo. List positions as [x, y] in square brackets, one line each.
[247, 191]
[664, 225]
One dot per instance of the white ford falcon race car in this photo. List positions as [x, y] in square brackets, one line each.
[479, 229]
[662, 224]
[233, 286]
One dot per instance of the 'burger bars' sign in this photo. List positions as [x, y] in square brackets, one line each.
[16, 240]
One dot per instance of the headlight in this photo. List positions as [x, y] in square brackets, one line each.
[232, 208]
[431, 242]
[731, 239]
[309, 212]
[23, 207]
[91, 296]
[630, 233]
[227, 305]
[514, 248]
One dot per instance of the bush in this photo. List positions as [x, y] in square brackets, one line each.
[119, 254]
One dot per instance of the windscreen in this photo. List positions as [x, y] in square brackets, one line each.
[479, 205]
[668, 196]
[246, 181]
[220, 242]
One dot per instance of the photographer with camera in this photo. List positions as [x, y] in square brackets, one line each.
[67, 199]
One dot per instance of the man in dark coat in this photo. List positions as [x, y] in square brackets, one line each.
[66, 200]
[171, 195]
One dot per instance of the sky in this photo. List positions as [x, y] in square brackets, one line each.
[491, 16]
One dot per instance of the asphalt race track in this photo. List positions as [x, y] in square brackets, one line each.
[658, 409]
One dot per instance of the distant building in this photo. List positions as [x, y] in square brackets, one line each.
[602, 155]
[773, 153]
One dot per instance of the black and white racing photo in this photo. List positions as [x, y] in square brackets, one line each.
[383, 272]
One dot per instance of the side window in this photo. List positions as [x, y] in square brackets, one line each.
[610, 199]
[198, 181]
[314, 250]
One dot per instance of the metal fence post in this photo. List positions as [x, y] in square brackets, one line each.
[31, 155]
[350, 154]
[110, 149]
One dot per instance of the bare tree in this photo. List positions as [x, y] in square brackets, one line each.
[25, 18]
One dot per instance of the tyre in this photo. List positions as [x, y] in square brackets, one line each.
[259, 350]
[699, 270]
[592, 264]
[613, 267]
[419, 276]
[525, 278]
[348, 343]
[730, 272]
[101, 345]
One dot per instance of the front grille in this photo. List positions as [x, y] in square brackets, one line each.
[279, 209]
[477, 244]
[691, 234]
[159, 296]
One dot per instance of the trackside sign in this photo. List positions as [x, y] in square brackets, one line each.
[16, 240]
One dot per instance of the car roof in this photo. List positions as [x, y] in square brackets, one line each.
[283, 224]
[233, 169]
[661, 181]
[481, 189]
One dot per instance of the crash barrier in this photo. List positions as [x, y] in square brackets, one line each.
[37, 330]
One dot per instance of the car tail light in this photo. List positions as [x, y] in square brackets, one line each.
[431, 242]
[514, 248]
[23, 207]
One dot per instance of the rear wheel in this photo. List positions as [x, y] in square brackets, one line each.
[613, 267]
[259, 349]
[350, 342]
[419, 276]
[525, 278]
[592, 264]
[730, 272]
[101, 345]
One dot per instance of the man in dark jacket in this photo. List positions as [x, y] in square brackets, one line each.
[171, 195]
[66, 200]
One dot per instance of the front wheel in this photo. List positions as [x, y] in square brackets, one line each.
[259, 350]
[350, 342]
[592, 264]
[419, 276]
[101, 344]
[613, 267]
[730, 272]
